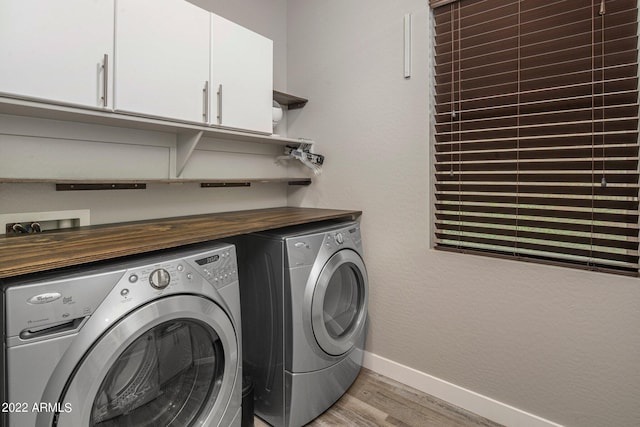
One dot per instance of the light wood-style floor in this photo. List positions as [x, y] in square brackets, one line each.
[375, 400]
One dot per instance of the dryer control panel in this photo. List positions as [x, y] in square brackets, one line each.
[304, 250]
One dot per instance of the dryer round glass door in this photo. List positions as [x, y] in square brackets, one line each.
[172, 362]
[339, 305]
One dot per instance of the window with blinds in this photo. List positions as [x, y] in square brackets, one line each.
[536, 120]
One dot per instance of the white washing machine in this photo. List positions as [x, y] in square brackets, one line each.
[147, 341]
[304, 297]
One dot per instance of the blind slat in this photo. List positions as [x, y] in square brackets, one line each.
[568, 235]
[551, 208]
[539, 195]
[520, 236]
[540, 137]
[631, 120]
[584, 260]
[499, 218]
[526, 150]
[570, 185]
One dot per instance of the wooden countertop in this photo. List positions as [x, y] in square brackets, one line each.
[46, 251]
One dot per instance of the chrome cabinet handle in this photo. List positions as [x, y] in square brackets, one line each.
[105, 79]
[205, 102]
[220, 104]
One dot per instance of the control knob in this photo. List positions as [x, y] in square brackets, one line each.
[160, 278]
[339, 238]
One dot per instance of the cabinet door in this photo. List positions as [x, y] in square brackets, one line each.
[54, 50]
[242, 67]
[162, 58]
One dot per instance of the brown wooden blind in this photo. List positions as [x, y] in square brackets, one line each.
[536, 119]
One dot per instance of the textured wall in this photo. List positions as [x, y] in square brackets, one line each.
[559, 343]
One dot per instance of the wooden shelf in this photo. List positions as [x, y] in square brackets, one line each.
[188, 135]
[290, 101]
[187, 132]
[65, 248]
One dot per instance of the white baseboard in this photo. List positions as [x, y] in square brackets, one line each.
[456, 395]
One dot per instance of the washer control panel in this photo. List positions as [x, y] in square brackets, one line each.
[220, 268]
[159, 278]
[58, 304]
[217, 267]
[42, 308]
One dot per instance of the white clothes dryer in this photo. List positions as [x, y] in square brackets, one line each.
[152, 340]
[304, 294]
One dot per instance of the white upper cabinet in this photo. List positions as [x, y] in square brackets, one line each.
[55, 50]
[241, 77]
[162, 59]
[166, 59]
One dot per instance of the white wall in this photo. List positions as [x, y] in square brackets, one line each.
[559, 343]
[42, 148]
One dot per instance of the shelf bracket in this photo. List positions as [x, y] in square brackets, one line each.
[290, 101]
[185, 144]
[224, 184]
[81, 186]
[300, 182]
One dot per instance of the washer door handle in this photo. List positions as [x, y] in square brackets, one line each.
[70, 326]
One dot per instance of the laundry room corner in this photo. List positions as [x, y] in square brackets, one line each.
[241, 213]
[520, 334]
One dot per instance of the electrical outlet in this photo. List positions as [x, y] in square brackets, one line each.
[30, 222]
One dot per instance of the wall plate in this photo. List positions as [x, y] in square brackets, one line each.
[49, 220]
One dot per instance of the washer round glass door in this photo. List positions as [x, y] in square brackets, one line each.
[170, 363]
[339, 305]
